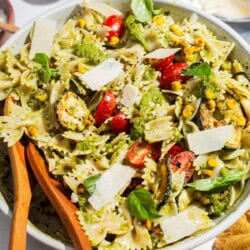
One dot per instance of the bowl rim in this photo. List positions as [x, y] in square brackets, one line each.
[194, 242]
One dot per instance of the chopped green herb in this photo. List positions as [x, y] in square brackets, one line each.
[45, 72]
[141, 204]
[199, 69]
[90, 183]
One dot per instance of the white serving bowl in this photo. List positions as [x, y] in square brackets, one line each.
[224, 32]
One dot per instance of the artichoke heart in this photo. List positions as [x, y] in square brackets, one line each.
[72, 112]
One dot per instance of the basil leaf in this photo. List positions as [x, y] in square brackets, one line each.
[141, 205]
[46, 73]
[142, 10]
[90, 183]
[215, 184]
[198, 69]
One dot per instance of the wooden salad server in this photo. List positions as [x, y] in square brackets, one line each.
[53, 189]
[22, 191]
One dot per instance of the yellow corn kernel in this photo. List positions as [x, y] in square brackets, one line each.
[189, 50]
[158, 20]
[227, 65]
[208, 172]
[211, 104]
[189, 58]
[209, 94]
[148, 224]
[199, 41]
[175, 40]
[32, 131]
[231, 103]
[212, 162]
[237, 67]
[241, 121]
[176, 29]
[184, 43]
[81, 23]
[42, 97]
[81, 68]
[88, 122]
[204, 200]
[196, 48]
[176, 85]
[188, 111]
[114, 40]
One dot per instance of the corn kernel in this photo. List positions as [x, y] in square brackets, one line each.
[190, 58]
[158, 20]
[209, 94]
[199, 41]
[148, 224]
[231, 103]
[176, 29]
[204, 200]
[88, 122]
[211, 104]
[207, 172]
[188, 111]
[227, 65]
[196, 48]
[175, 40]
[237, 67]
[212, 162]
[114, 40]
[176, 85]
[183, 43]
[241, 121]
[189, 50]
[32, 131]
[42, 97]
[81, 68]
[81, 23]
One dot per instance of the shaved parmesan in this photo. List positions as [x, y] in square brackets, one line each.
[161, 53]
[103, 9]
[130, 95]
[42, 39]
[102, 74]
[210, 140]
[110, 184]
[185, 224]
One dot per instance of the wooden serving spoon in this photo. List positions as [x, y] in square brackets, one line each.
[22, 191]
[8, 27]
[54, 191]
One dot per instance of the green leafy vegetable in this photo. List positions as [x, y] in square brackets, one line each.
[141, 205]
[204, 87]
[143, 10]
[135, 31]
[89, 51]
[216, 184]
[90, 183]
[198, 69]
[46, 73]
[219, 203]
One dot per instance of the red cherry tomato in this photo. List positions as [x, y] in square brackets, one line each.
[164, 64]
[183, 162]
[119, 123]
[176, 149]
[106, 108]
[172, 73]
[116, 24]
[140, 150]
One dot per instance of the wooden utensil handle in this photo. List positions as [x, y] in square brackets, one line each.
[22, 198]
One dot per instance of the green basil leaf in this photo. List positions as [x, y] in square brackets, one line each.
[46, 73]
[141, 205]
[90, 183]
[215, 184]
[142, 10]
[198, 69]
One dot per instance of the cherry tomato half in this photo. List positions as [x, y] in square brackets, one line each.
[183, 162]
[140, 150]
[176, 149]
[119, 123]
[172, 73]
[115, 23]
[164, 64]
[106, 108]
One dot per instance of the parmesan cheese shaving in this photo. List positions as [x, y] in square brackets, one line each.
[161, 53]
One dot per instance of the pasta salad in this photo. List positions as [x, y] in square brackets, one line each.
[142, 118]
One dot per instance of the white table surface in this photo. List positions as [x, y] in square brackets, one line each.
[25, 10]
